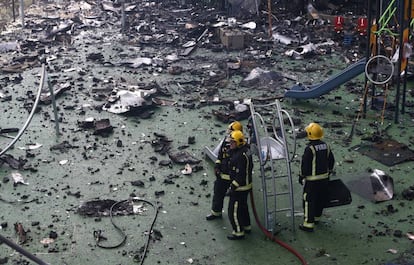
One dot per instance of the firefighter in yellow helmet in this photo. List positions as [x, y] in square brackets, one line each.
[241, 166]
[222, 172]
[234, 126]
[316, 166]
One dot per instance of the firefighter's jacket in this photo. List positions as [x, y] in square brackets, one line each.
[317, 161]
[241, 164]
[223, 160]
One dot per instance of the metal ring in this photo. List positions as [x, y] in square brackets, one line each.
[379, 57]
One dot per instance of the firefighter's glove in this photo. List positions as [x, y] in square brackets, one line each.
[230, 191]
[301, 180]
[217, 171]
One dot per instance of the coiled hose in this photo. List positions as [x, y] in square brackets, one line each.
[98, 234]
[269, 235]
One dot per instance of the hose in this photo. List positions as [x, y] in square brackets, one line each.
[156, 208]
[29, 119]
[98, 234]
[269, 235]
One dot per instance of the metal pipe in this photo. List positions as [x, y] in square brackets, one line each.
[42, 80]
[14, 11]
[6, 136]
[22, 250]
[123, 15]
[22, 12]
[54, 107]
[379, 11]
[257, 7]
[399, 63]
[269, 10]
[408, 18]
[367, 53]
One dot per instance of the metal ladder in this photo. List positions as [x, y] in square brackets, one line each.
[275, 163]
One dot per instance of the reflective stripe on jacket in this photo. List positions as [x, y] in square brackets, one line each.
[317, 161]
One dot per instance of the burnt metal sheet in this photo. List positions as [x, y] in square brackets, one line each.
[388, 152]
[375, 186]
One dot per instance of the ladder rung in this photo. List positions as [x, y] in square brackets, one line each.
[276, 177]
[277, 194]
[284, 210]
[281, 210]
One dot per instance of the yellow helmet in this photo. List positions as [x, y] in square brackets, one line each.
[235, 126]
[238, 137]
[314, 131]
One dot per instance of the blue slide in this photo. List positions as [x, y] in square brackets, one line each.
[314, 91]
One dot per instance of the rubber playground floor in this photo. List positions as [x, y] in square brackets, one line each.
[125, 164]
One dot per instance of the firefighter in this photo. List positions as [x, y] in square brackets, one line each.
[316, 166]
[241, 166]
[221, 170]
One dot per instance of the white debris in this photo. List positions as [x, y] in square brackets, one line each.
[231, 21]
[125, 100]
[282, 39]
[187, 170]
[138, 208]
[241, 107]
[31, 146]
[249, 25]
[307, 48]
[410, 236]
[301, 50]
[34, 146]
[63, 162]
[190, 43]
[393, 251]
[172, 57]
[136, 62]
[18, 178]
[46, 241]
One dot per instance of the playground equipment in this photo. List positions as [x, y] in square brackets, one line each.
[389, 35]
[387, 29]
[302, 92]
[275, 153]
[275, 159]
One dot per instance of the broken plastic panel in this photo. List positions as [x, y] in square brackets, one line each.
[272, 148]
[213, 153]
[375, 186]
